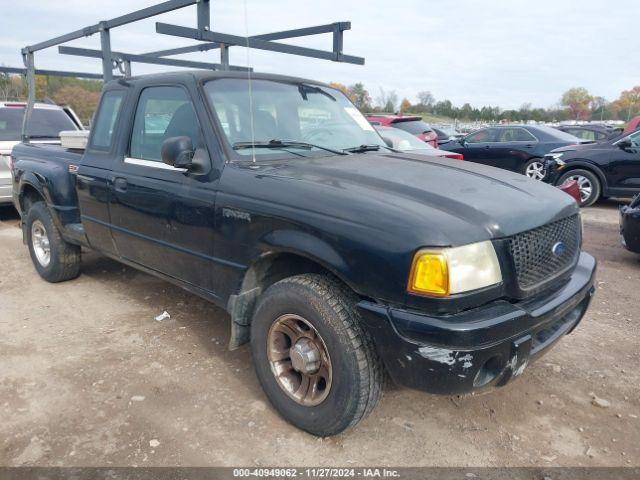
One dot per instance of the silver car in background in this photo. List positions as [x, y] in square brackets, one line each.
[406, 142]
[47, 121]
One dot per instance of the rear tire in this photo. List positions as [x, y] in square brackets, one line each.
[345, 374]
[534, 169]
[588, 182]
[54, 259]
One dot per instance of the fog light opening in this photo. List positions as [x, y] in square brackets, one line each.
[488, 372]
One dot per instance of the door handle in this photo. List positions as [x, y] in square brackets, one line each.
[487, 147]
[120, 185]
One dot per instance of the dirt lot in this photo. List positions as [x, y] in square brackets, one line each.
[88, 377]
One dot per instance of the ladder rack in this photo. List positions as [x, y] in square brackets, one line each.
[209, 39]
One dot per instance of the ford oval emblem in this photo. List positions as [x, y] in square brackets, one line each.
[559, 249]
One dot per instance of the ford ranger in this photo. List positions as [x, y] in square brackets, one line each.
[338, 259]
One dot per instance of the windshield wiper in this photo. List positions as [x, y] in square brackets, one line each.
[276, 144]
[305, 89]
[364, 148]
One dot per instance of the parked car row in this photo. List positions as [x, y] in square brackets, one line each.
[519, 148]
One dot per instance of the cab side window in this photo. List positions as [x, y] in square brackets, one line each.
[106, 119]
[162, 113]
[482, 136]
[515, 135]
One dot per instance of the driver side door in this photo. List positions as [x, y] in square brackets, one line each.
[478, 146]
[625, 166]
[162, 217]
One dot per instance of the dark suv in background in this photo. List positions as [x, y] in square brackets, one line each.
[604, 169]
[519, 148]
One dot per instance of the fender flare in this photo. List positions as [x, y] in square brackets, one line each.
[310, 247]
[35, 181]
[278, 242]
[31, 179]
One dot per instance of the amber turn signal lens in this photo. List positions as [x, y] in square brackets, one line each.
[429, 274]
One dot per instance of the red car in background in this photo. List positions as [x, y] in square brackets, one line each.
[632, 126]
[412, 124]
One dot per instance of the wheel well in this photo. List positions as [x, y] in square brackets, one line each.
[267, 270]
[29, 196]
[272, 268]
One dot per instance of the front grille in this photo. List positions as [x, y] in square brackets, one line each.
[533, 251]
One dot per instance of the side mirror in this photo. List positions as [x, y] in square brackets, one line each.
[178, 152]
[625, 144]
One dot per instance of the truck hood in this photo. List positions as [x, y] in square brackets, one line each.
[438, 202]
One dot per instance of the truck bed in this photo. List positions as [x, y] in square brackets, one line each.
[37, 161]
[46, 152]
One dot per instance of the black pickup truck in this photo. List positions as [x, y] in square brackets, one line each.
[337, 258]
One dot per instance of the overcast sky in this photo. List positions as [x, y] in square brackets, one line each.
[489, 52]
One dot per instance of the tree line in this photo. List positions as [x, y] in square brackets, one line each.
[575, 104]
[81, 95]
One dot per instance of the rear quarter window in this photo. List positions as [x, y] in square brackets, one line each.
[105, 122]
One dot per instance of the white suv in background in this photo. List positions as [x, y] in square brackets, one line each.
[47, 121]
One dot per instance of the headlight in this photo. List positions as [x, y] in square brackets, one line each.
[557, 157]
[447, 271]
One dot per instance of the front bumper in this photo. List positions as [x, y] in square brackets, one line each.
[479, 348]
[630, 227]
[551, 172]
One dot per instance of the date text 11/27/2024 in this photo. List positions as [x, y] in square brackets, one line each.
[316, 472]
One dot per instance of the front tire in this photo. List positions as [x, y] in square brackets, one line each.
[315, 362]
[54, 259]
[588, 183]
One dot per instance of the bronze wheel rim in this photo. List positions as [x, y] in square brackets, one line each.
[299, 360]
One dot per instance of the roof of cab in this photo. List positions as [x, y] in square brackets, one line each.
[204, 75]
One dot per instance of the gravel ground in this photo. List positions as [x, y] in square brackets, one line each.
[89, 378]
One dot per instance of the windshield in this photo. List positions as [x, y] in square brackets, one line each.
[287, 112]
[44, 123]
[559, 134]
[415, 127]
[403, 141]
